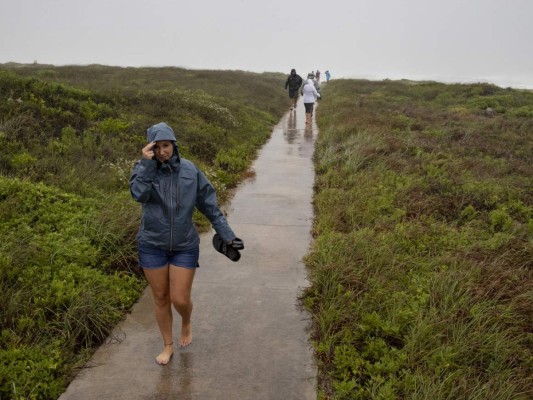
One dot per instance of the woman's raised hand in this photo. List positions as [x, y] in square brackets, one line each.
[148, 151]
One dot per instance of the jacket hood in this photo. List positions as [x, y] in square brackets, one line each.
[162, 131]
[310, 81]
[159, 132]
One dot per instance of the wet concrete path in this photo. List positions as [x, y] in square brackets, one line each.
[249, 338]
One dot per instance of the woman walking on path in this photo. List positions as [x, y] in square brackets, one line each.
[310, 94]
[169, 188]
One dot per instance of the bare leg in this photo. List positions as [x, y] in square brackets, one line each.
[159, 283]
[180, 294]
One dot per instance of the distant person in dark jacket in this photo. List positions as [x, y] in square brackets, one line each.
[293, 83]
[317, 76]
[170, 188]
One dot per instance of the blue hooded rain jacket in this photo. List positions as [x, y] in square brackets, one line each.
[169, 193]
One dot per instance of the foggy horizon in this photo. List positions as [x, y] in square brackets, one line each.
[452, 42]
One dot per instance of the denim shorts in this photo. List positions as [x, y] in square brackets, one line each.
[153, 258]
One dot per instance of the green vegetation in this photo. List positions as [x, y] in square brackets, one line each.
[69, 138]
[421, 266]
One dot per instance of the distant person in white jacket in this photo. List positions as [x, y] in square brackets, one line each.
[310, 95]
[311, 75]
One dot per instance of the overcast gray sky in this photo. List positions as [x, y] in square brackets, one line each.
[443, 40]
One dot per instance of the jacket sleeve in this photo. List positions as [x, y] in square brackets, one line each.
[141, 179]
[206, 202]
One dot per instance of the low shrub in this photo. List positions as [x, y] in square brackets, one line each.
[69, 138]
[419, 271]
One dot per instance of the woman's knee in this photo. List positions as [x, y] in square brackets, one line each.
[181, 301]
[161, 300]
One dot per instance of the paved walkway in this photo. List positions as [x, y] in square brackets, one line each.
[250, 340]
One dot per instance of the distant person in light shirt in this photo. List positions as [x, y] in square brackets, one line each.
[328, 75]
[311, 75]
[310, 95]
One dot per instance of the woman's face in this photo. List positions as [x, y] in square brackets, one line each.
[163, 150]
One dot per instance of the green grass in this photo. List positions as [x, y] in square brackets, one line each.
[421, 266]
[69, 138]
[245, 88]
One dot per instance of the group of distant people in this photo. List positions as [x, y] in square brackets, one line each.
[310, 90]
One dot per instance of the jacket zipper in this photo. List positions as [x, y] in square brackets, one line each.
[178, 195]
[170, 211]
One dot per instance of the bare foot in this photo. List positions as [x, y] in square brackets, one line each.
[186, 335]
[166, 354]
